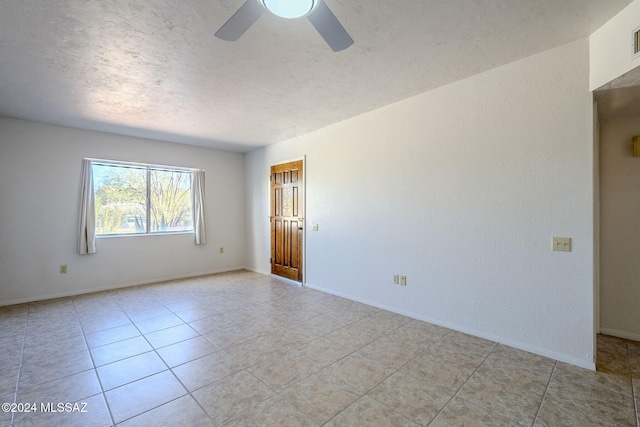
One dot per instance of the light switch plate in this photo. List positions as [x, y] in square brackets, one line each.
[562, 244]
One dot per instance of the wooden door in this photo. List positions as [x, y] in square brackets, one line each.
[287, 220]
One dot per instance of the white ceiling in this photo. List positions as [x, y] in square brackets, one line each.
[152, 68]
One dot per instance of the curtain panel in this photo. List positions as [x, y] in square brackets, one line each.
[87, 226]
[197, 194]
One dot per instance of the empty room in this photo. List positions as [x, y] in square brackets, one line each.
[320, 212]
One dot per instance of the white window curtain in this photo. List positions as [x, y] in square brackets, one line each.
[87, 231]
[197, 193]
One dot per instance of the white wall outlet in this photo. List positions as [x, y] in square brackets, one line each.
[63, 269]
[403, 280]
[396, 279]
[562, 244]
[315, 227]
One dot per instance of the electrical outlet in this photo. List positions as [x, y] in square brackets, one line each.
[221, 250]
[396, 279]
[403, 280]
[63, 269]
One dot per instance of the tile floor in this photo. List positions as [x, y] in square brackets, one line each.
[242, 349]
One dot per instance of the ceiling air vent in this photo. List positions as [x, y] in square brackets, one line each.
[636, 42]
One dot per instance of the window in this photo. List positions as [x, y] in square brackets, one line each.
[141, 199]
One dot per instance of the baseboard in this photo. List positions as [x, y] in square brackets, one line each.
[117, 286]
[508, 342]
[620, 334]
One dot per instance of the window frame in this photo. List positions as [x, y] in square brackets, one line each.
[148, 168]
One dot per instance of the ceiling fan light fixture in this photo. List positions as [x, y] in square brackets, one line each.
[290, 9]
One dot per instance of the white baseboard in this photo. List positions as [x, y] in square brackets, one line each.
[112, 287]
[620, 334]
[508, 342]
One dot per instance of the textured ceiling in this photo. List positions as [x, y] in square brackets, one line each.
[152, 68]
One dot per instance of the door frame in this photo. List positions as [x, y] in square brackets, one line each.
[302, 158]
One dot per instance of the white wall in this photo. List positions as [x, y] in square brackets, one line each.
[619, 229]
[611, 47]
[39, 196]
[460, 189]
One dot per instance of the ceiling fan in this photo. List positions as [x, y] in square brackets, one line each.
[315, 10]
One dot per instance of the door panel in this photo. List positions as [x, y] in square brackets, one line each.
[287, 223]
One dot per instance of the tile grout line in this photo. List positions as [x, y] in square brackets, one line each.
[455, 395]
[544, 396]
[95, 368]
[24, 341]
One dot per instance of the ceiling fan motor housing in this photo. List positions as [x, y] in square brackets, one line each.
[290, 9]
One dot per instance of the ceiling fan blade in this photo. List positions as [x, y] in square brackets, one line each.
[330, 28]
[241, 21]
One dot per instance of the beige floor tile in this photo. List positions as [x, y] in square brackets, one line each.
[186, 351]
[40, 368]
[137, 314]
[323, 324]
[196, 313]
[100, 323]
[158, 323]
[387, 351]
[176, 304]
[322, 351]
[435, 370]
[511, 396]
[13, 311]
[109, 336]
[462, 349]
[569, 374]
[417, 400]
[143, 395]
[384, 321]
[321, 397]
[183, 411]
[417, 335]
[228, 397]
[171, 335]
[9, 378]
[360, 372]
[119, 350]
[508, 362]
[232, 335]
[212, 323]
[256, 350]
[283, 371]
[206, 370]
[128, 370]
[53, 347]
[634, 357]
[253, 318]
[570, 403]
[354, 336]
[272, 412]
[6, 416]
[612, 355]
[371, 413]
[73, 388]
[91, 412]
[11, 327]
[459, 413]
